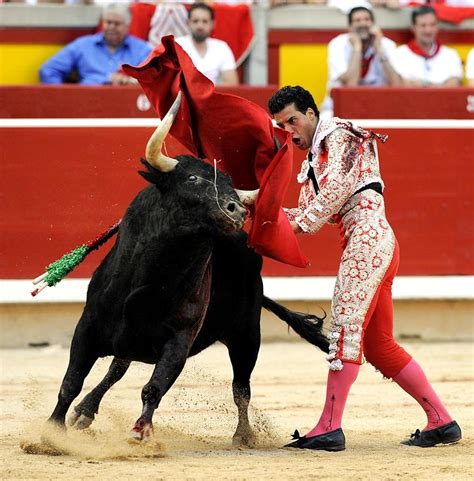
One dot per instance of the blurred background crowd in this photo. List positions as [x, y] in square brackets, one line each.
[222, 35]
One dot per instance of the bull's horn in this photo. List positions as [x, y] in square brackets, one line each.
[153, 149]
[247, 197]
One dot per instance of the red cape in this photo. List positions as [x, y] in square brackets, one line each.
[235, 132]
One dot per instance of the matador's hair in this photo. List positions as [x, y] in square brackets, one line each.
[292, 95]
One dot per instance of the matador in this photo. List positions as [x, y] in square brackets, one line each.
[341, 184]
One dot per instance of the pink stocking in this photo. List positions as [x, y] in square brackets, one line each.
[413, 380]
[338, 386]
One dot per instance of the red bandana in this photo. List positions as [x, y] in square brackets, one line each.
[366, 65]
[415, 48]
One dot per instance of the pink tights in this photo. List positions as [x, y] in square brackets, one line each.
[411, 378]
[385, 354]
[338, 386]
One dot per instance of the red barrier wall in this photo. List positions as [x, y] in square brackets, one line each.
[102, 101]
[61, 186]
[403, 103]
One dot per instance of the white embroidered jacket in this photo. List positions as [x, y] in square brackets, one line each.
[345, 159]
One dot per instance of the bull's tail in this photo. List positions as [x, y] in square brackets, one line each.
[308, 326]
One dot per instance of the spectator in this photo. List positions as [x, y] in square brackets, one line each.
[470, 68]
[404, 3]
[423, 61]
[360, 57]
[97, 58]
[211, 56]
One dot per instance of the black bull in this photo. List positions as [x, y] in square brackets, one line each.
[179, 278]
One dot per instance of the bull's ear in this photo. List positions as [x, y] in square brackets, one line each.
[151, 175]
[147, 176]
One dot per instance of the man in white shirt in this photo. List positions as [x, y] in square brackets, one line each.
[360, 57]
[210, 56]
[424, 62]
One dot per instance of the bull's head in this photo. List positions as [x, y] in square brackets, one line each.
[200, 189]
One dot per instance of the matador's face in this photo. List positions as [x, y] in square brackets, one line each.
[300, 125]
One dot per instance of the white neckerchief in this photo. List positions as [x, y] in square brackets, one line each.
[315, 142]
[303, 175]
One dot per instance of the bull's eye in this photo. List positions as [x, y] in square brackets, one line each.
[192, 178]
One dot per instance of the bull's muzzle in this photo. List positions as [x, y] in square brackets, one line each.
[236, 212]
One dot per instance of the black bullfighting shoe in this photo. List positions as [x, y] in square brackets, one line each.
[332, 441]
[447, 434]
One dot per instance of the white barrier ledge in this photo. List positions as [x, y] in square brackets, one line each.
[153, 122]
[13, 291]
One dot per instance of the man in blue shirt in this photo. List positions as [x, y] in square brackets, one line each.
[97, 58]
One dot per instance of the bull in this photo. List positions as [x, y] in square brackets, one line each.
[179, 278]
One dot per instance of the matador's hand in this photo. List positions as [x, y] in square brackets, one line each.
[296, 228]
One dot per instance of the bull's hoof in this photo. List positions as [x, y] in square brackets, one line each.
[247, 439]
[141, 433]
[80, 419]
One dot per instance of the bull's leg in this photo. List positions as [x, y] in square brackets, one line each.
[81, 360]
[170, 365]
[243, 352]
[84, 413]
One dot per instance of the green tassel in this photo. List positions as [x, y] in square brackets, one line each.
[62, 267]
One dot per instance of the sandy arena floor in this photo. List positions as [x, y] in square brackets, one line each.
[195, 423]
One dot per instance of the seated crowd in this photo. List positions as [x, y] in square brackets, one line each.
[362, 56]
[343, 4]
[97, 58]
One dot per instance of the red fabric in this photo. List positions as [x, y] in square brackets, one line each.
[365, 65]
[379, 346]
[142, 13]
[449, 13]
[233, 24]
[415, 48]
[236, 132]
